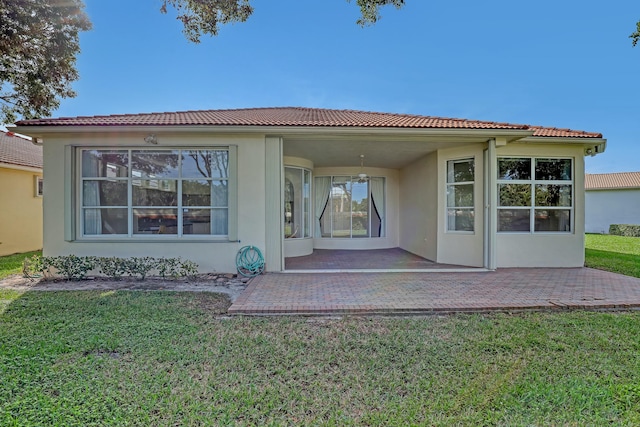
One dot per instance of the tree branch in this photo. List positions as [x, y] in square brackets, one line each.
[635, 37]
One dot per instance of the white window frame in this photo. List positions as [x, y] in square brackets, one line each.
[130, 236]
[307, 218]
[449, 185]
[38, 186]
[533, 182]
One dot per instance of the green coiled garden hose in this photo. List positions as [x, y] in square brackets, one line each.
[249, 261]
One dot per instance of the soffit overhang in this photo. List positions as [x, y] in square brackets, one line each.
[333, 146]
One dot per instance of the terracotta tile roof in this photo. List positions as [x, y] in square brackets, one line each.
[555, 132]
[16, 150]
[295, 116]
[608, 181]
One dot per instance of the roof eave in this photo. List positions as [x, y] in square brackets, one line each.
[592, 145]
[20, 167]
[40, 131]
[612, 188]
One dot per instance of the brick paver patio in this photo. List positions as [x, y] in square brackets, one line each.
[337, 259]
[409, 292]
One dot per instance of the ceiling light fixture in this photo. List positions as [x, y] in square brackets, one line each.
[151, 139]
[362, 177]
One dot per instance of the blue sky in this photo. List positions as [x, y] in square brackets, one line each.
[566, 64]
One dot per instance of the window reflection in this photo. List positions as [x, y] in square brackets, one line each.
[155, 164]
[173, 192]
[155, 221]
[353, 207]
[297, 195]
[460, 194]
[544, 195]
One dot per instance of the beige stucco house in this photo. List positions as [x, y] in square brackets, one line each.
[20, 195]
[611, 198]
[202, 184]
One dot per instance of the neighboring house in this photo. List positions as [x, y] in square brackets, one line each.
[202, 184]
[611, 198]
[20, 195]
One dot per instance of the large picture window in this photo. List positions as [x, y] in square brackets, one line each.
[349, 207]
[535, 195]
[460, 184]
[154, 192]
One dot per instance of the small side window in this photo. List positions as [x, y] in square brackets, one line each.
[38, 184]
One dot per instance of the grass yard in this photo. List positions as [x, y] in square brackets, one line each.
[618, 254]
[12, 264]
[162, 358]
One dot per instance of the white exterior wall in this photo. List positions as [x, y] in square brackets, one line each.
[419, 207]
[547, 249]
[606, 207]
[459, 247]
[391, 211]
[209, 254]
[415, 200]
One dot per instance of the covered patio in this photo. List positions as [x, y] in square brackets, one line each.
[373, 260]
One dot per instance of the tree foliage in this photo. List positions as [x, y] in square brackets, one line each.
[39, 43]
[38, 48]
[202, 17]
[635, 37]
[370, 10]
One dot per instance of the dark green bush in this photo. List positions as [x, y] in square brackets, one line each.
[628, 230]
[113, 267]
[73, 267]
[141, 266]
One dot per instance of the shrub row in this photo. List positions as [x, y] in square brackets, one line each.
[628, 230]
[73, 267]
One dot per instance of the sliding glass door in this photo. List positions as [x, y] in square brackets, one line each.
[351, 207]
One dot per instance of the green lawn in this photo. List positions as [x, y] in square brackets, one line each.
[162, 358]
[12, 264]
[617, 254]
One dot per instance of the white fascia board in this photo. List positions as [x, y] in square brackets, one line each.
[510, 134]
[597, 145]
[564, 140]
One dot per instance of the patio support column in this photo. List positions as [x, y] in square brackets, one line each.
[492, 179]
[274, 207]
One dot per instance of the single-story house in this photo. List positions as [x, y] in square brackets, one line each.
[289, 180]
[611, 198]
[20, 195]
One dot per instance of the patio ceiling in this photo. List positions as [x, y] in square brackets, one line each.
[383, 152]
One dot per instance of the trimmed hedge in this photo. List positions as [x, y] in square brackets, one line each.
[73, 267]
[628, 230]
